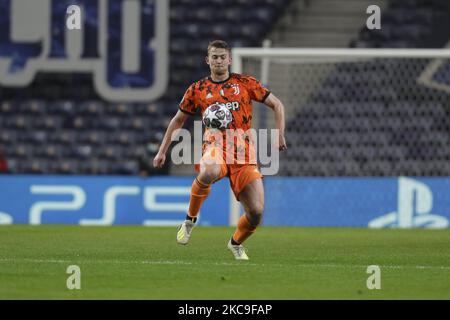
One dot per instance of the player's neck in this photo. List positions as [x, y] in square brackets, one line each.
[219, 78]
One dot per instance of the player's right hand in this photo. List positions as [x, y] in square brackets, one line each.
[159, 160]
[282, 143]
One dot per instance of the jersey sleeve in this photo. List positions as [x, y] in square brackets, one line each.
[256, 90]
[187, 104]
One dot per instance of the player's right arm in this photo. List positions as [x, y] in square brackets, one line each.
[176, 123]
[187, 107]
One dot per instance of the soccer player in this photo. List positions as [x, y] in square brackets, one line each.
[237, 91]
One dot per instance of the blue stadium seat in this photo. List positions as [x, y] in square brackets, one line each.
[64, 108]
[32, 107]
[136, 124]
[217, 30]
[108, 152]
[50, 152]
[22, 151]
[148, 109]
[18, 122]
[7, 107]
[64, 137]
[106, 123]
[65, 166]
[14, 166]
[77, 123]
[35, 166]
[234, 14]
[48, 122]
[119, 109]
[262, 15]
[127, 167]
[178, 14]
[37, 137]
[92, 137]
[203, 15]
[90, 108]
[8, 137]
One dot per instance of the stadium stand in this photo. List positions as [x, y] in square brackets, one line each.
[374, 118]
[52, 128]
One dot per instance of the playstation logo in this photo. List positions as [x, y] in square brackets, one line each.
[415, 202]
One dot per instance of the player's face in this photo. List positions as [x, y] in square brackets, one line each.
[218, 60]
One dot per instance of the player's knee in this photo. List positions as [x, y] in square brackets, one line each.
[255, 214]
[210, 174]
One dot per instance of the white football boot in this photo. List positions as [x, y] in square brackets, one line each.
[238, 251]
[184, 231]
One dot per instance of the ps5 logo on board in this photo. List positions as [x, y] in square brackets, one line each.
[415, 204]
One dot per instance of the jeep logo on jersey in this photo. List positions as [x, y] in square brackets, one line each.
[123, 43]
[230, 105]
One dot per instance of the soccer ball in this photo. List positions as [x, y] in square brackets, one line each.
[217, 116]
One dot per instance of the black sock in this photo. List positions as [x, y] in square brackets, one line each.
[234, 243]
[193, 219]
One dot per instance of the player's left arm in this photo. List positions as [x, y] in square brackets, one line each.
[277, 106]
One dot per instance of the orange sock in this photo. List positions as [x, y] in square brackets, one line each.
[244, 230]
[199, 193]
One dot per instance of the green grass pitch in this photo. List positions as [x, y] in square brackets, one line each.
[138, 262]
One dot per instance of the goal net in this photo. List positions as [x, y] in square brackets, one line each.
[357, 112]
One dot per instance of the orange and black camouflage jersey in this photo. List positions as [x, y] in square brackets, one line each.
[237, 93]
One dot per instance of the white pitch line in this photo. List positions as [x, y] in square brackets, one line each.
[169, 262]
[365, 266]
[93, 261]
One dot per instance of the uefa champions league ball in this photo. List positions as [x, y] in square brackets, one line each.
[217, 116]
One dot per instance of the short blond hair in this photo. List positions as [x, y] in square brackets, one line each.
[218, 44]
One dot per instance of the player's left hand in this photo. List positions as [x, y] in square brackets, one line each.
[282, 143]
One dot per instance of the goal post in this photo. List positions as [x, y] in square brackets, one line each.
[342, 86]
[281, 53]
[294, 65]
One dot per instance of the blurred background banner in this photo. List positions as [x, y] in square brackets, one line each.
[358, 202]
[87, 200]
[123, 44]
[346, 202]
